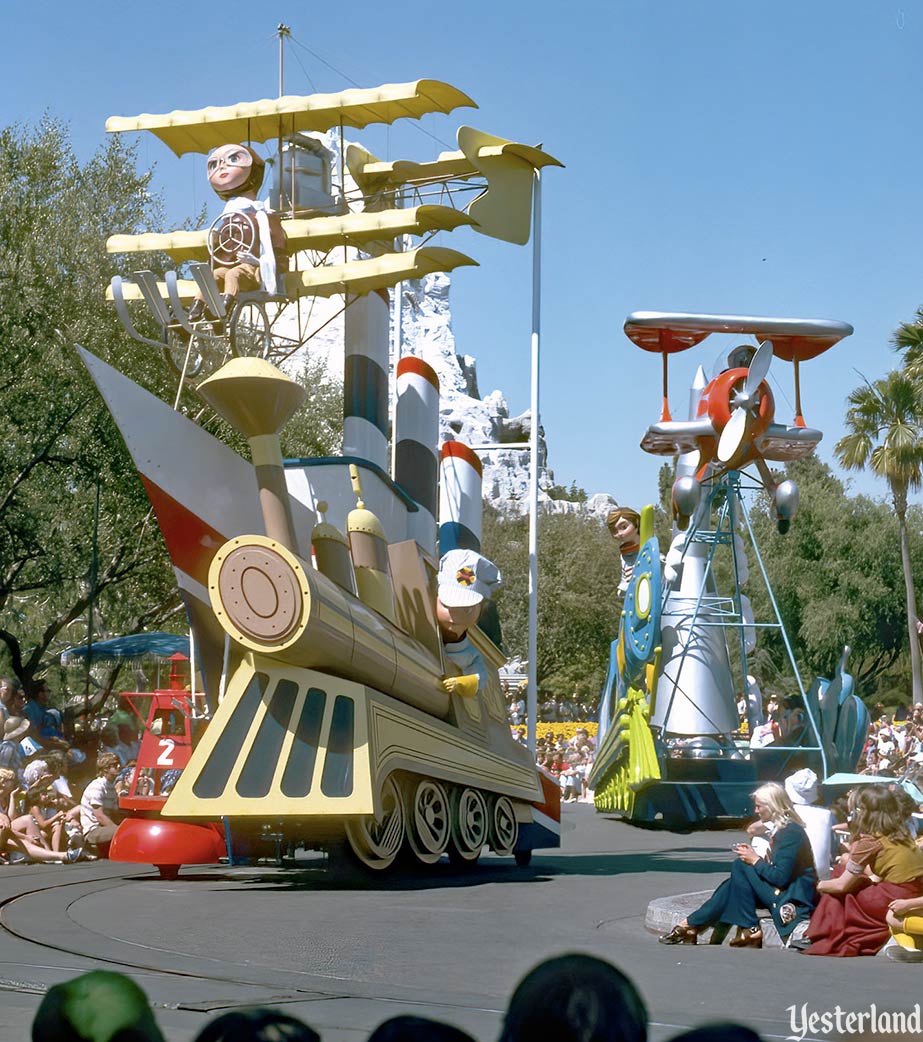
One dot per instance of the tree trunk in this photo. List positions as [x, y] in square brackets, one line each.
[916, 672]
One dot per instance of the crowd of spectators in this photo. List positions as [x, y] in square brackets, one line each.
[568, 760]
[551, 708]
[895, 745]
[53, 807]
[570, 998]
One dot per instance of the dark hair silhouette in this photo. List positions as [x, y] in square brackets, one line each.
[724, 1032]
[259, 1024]
[575, 998]
[417, 1029]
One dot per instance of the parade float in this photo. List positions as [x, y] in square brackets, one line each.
[343, 708]
[669, 749]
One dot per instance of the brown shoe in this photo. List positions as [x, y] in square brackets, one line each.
[747, 937]
[680, 935]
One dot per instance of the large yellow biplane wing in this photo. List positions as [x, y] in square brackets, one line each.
[201, 130]
[355, 277]
[314, 233]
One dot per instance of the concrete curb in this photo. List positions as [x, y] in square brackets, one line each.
[663, 913]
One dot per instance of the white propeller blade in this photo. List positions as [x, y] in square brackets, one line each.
[759, 367]
[733, 435]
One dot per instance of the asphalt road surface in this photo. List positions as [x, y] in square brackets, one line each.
[344, 955]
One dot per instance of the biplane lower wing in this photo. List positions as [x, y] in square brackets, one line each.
[783, 444]
[358, 277]
[779, 443]
[674, 437]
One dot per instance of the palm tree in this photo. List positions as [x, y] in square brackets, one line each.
[885, 423]
[909, 338]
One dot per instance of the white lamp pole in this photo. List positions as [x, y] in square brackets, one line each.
[532, 689]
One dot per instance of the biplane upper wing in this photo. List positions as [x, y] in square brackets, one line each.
[793, 339]
[201, 130]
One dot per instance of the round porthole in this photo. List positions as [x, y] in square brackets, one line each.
[643, 597]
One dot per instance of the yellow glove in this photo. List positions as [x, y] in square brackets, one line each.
[467, 686]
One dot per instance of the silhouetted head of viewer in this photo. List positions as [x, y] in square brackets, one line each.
[575, 998]
[101, 1006]
[259, 1024]
[417, 1029]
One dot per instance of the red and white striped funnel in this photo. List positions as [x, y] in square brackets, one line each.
[416, 445]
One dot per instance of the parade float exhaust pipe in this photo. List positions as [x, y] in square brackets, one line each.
[258, 400]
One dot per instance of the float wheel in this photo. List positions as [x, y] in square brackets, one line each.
[470, 822]
[376, 840]
[504, 828]
[429, 818]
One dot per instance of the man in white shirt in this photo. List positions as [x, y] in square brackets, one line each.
[99, 807]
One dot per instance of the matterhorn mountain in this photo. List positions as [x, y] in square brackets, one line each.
[426, 332]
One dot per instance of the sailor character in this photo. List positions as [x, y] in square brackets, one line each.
[624, 524]
[466, 582]
[246, 244]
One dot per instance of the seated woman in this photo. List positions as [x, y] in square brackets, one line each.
[883, 866]
[785, 881]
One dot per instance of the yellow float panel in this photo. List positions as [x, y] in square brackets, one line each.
[201, 130]
[283, 742]
[313, 233]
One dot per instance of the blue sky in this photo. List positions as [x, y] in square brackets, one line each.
[725, 157]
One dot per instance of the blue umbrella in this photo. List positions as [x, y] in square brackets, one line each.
[134, 646]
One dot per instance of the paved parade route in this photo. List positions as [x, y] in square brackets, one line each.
[346, 955]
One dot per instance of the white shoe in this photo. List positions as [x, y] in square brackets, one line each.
[898, 953]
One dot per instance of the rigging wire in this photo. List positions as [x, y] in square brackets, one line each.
[416, 125]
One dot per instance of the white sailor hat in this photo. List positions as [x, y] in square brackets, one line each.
[466, 578]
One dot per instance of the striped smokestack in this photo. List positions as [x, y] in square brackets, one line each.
[365, 379]
[459, 499]
[416, 460]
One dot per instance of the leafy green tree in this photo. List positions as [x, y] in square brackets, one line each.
[62, 453]
[578, 575]
[836, 576]
[59, 444]
[885, 423]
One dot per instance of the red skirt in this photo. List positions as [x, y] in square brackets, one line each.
[844, 925]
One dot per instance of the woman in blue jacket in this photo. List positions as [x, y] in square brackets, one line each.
[784, 881]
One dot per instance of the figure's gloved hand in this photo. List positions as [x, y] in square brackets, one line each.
[466, 686]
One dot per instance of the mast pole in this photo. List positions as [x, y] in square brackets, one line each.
[283, 32]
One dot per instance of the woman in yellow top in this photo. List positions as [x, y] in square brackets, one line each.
[883, 865]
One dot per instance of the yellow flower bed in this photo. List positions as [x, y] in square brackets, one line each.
[568, 729]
